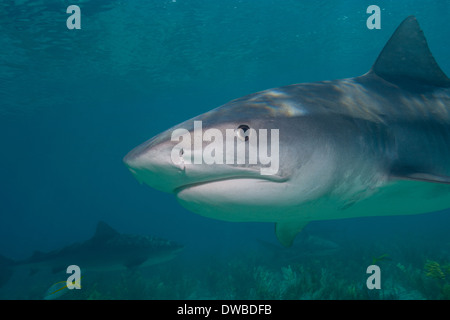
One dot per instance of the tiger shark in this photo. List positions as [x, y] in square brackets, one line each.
[373, 145]
[107, 250]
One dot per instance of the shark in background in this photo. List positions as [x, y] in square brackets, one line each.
[373, 145]
[107, 250]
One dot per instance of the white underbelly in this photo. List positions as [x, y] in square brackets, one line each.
[397, 198]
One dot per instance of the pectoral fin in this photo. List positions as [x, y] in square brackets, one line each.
[426, 177]
[286, 231]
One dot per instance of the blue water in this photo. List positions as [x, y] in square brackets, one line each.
[74, 102]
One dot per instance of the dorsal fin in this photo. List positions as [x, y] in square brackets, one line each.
[406, 56]
[104, 232]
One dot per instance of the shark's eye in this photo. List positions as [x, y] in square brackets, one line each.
[243, 131]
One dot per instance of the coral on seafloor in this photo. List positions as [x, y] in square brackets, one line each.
[439, 276]
[433, 270]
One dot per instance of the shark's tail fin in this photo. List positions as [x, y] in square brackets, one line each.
[6, 269]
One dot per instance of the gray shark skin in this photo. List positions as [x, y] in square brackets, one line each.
[107, 250]
[373, 145]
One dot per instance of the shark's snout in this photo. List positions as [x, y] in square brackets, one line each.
[139, 155]
[137, 159]
[150, 163]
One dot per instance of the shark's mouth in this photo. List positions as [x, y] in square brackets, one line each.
[275, 179]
